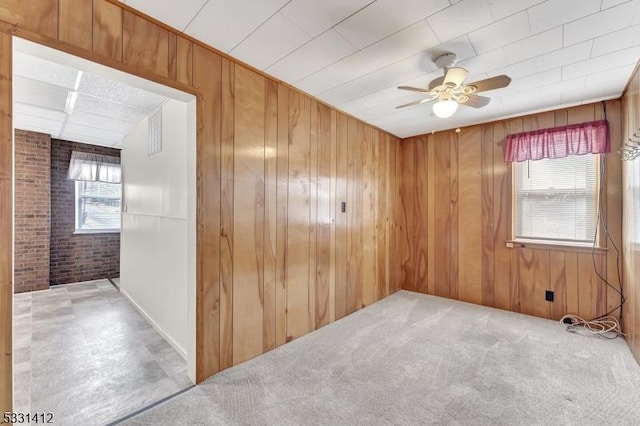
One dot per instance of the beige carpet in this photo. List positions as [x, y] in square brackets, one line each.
[416, 359]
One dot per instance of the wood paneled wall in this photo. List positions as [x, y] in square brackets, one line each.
[631, 218]
[456, 219]
[283, 271]
[276, 257]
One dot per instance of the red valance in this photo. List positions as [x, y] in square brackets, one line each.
[558, 142]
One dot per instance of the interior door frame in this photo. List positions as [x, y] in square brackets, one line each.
[7, 32]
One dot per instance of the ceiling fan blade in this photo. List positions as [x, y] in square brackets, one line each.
[455, 75]
[421, 101]
[436, 82]
[413, 89]
[497, 82]
[476, 101]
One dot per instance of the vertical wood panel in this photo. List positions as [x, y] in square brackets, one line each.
[543, 120]
[470, 205]
[580, 114]
[145, 45]
[207, 80]
[107, 30]
[487, 218]
[6, 226]
[454, 283]
[571, 283]
[324, 219]
[601, 292]
[393, 203]
[226, 214]
[417, 232]
[75, 23]
[341, 217]
[333, 203]
[313, 213]
[560, 117]
[540, 307]
[282, 215]
[430, 161]
[248, 214]
[369, 270]
[442, 211]
[558, 283]
[382, 220]
[270, 214]
[406, 243]
[184, 61]
[298, 244]
[354, 206]
[172, 56]
[526, 280]
[40, 17]
[395, 160]
[587, 287]
[401, 225]
[600, 287]
[504, 277]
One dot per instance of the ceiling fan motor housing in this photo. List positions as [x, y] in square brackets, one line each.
[446, 60]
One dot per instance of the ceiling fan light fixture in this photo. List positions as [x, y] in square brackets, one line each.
[445, 108]
[450, 90]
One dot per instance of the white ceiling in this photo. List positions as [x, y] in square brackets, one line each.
[105, 110]
[353, 53]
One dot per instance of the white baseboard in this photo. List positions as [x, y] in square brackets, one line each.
[166, 337]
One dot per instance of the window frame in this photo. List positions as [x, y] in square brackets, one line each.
[76, 203]
[550, 243]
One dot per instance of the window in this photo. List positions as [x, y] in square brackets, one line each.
[155, 132]
[98, 191]
[97, 206]
[556, 200]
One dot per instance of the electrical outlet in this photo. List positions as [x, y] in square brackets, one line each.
[548, 296]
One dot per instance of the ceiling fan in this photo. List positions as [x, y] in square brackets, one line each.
[449, 90]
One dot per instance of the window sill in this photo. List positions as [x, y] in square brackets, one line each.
[95, 231]
[551, 245]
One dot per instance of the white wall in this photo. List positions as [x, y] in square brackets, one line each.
[191, 239]
[158, 225]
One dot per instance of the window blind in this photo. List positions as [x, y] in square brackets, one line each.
[556, 199]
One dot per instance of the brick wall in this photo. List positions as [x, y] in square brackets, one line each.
[32, 207]
[76, 257]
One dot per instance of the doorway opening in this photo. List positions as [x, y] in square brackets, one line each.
[104, 267]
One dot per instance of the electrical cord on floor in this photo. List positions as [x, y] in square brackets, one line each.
[604, 327]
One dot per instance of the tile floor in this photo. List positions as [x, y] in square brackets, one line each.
[82, 352]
